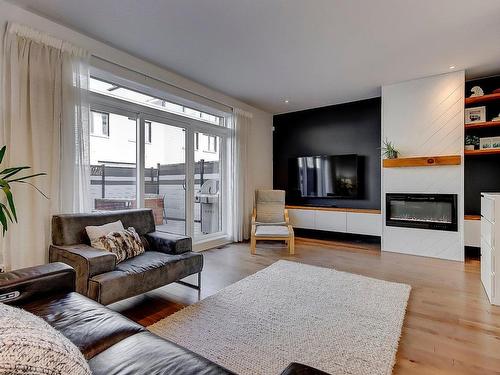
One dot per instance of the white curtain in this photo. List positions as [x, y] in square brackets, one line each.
[241, 200]
[45, 126]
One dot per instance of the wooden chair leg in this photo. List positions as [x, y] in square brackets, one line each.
[291, 243]
[253, 245]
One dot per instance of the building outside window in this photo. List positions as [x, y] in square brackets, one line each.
[99, 124]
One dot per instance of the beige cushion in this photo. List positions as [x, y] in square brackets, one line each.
[29, 345]
[272, 231]
[96, 232]
[270, 206]
[125, 244]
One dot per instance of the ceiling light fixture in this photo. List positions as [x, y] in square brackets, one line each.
[286, 100]
[452, 66]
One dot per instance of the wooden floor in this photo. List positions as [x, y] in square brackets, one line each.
[450, 328]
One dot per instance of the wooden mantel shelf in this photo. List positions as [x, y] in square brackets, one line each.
[423, 161]
[339, 209]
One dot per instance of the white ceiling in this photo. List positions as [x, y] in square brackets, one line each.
[312, 52]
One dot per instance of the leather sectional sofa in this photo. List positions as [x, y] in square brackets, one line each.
[111, 343]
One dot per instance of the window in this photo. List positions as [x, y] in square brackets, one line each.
[99, 124]
[147, 131]
[113, 169]
[196, 141]
[181, 176]
[109, 89]
[211, 143]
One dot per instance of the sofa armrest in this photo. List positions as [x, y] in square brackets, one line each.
[27, 283]
[169, 243]
[295, 368]
[86, 260]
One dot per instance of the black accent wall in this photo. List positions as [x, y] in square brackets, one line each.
[351, 128]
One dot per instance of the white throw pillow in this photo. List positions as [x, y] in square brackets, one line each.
[29, 345]
[96, 232]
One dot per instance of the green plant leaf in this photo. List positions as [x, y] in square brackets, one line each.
[3, 220]
[8, 170]
[7, 212]
[34, 187]
[13, 172]
[10, 201]
[2, 153]
[26, 177]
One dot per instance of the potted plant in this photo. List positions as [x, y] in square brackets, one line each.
[471, 142]
[10, 176]
[388, 150]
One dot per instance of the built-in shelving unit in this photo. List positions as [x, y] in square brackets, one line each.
[481, 165]
[472, 217]
[482, 99]
[422, 161]
[489, 151]
[482, 125]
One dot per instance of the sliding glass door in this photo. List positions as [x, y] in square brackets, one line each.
[147, 152]
[207, 185]
[113, 177]
[165, 175]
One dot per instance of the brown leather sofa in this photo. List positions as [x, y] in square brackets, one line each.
[168, 257]
[111, 343]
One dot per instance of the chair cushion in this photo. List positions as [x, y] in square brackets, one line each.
[270, 206]
[143, 273]
[89, 325]
[28, 345]
[272, 231]
[146, 353]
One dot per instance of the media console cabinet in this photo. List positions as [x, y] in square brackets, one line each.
[361, 221]
[334, 219]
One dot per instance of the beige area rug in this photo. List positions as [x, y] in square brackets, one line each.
[335, 321]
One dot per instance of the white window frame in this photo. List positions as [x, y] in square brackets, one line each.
[102, 103]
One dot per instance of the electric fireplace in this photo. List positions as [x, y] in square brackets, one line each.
[422, 211]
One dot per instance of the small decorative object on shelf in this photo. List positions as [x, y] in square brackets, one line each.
[476, 91]
[495, 142]
[475, 114]
[485, 143]
[388, 150]
[496, 118]
[471, 142]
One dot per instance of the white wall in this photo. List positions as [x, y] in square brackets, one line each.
[425, 117]
[260, 173]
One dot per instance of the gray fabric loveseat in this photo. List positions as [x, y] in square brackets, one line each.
[168, 257]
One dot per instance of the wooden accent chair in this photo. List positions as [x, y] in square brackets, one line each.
[270, 219]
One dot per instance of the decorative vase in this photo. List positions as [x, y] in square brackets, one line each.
[470, 147]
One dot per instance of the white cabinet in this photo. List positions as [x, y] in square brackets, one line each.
[368, 222]
[472, 233]
[332, 221]
[364, 223]
[490, 230]
[302, 218]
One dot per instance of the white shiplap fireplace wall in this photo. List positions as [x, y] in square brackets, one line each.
[425, 117]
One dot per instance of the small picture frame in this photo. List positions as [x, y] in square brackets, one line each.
[495, 142]
[485, 143]
[475, 115]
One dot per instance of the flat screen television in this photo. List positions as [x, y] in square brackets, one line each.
[333, 176]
